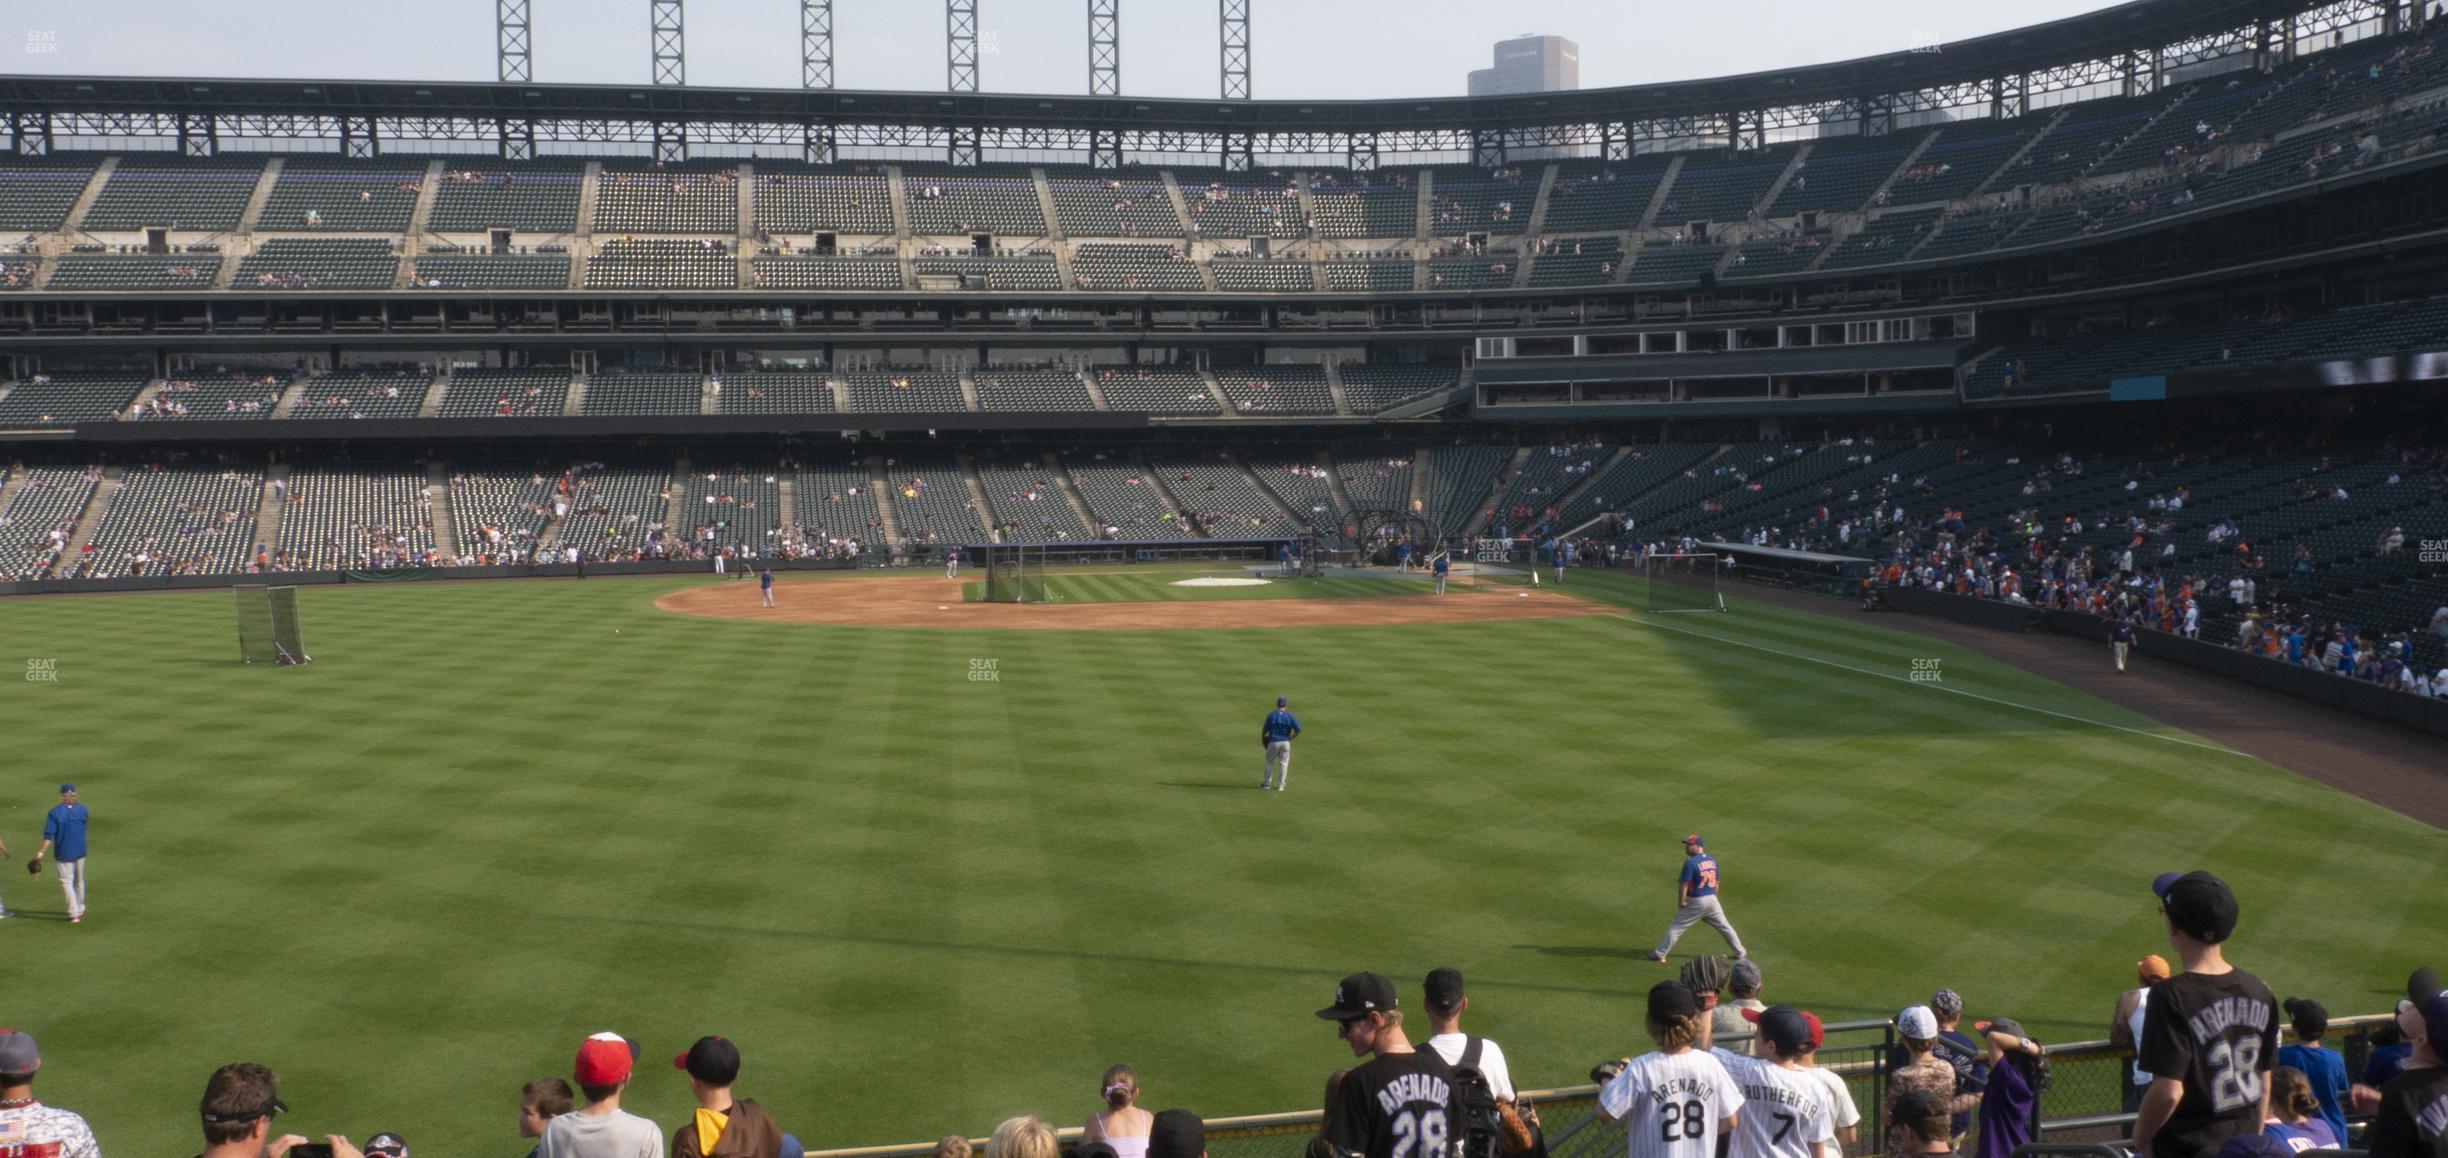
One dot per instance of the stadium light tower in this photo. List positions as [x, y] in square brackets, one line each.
[961, 48]
[670, 62]
[1104, 47]
[1236, 46]
[815, 43]
[510, 25]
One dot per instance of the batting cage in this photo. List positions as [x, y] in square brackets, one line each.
[1682, 582]
[268, 630]
[1015, 572]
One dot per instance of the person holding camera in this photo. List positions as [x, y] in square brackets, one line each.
[240, 1101]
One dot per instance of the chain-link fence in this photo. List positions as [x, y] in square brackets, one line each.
[2085, 1103]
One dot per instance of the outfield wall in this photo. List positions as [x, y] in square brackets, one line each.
[2369, 700]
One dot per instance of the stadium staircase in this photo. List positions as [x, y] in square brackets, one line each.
[900, 212]
[1291, 517]
[2008, 165]
[1164, 487]
[1334, 387]
[1630, 501]
[881, 486]
[150, 391]
[1429, 404]
[75, 222]
[1062, 265]
[12, 481]
[88, 521]
[1181, 206]
[1223, 400]
[977, 496]
[1308, 206]
[438, 501]
[432, 407]
[1793, 167]
[1538, 206]
[1346, 511]
[1096, 394]
[428, 191]
[1565, 501]
[1658, 198]
[1418, 498]
[675, 500]
[1911, 159]
[968, 390]
[570, 406]
[1055, 229]
[255, 201]
[290, 395]
[587, 186]
[273, 508]
[709, 400]
[1423, 211]
[1062, 483]
[1487, 503]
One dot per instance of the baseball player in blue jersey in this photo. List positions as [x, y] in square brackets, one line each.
[1444, 563]
[952, 562]
[765, 585]
[1696, 901]
[1280, 730]
[64, 832]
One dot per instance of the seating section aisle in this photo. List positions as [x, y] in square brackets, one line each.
[1220, 499]
[174, 520]
[66, 397]
[352, 518]
[373, 394]
[931, 503]
[36, 193]
[837, 505]
[520, 393]
[1028, 505]
[40, 518]
[1124, 498]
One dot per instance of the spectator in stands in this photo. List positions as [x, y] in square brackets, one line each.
[723, 1126]
[1743, 993]
[240, 1101]
[1960, 1053]
[1177, 1134]
[2017, 1074]
[1121, 1124]
[1446, 1002]
[1923, 1071]
[1319, 1146]
[2294, 1114]
[2323, 1069]
[2125, 1025]
[541, 1101]
[2181, 1116]
[2412, 1118]
[1026, 1136]
[26, 1125]
[1917, 1125]
[600, 1128]
[1397, 1082]
[951, 1146]
[1840, 1095]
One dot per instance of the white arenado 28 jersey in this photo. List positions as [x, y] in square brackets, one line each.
[1670, 1104]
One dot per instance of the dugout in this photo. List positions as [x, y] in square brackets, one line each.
[1807, 570]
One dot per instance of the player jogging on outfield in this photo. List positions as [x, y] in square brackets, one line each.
[64, 830]
[1673, 1102]
[1277, 734]
[1696, 901]
[2120, 640]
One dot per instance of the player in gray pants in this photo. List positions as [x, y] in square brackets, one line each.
[1696, 901]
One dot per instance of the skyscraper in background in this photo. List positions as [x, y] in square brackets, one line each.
[1530, 64]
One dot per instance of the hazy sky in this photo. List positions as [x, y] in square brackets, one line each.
[1313, 49]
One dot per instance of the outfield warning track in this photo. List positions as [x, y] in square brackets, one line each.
[936, 602]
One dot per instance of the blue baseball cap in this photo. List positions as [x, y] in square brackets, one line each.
[1281, 702]
[67, 787]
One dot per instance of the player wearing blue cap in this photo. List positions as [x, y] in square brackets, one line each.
[1696, 901]
[1277, 735]
[64, 830]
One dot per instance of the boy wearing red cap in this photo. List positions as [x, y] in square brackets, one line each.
[601, 1129]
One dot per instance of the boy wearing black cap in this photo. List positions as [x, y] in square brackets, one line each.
[1675, 1101]
[2323, 1067]
[1446, 1002]
[722, 1127]
[2413, 1118]
[1787, 1111]
[2210, 1034]
[1402, 1103]
[1919, 1125]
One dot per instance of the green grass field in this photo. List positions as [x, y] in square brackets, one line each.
[494, 817]
[1162, 584]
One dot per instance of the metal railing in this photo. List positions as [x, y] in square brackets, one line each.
[2081, 1115]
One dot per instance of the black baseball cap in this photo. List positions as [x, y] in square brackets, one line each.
[1443, 989]
[1359, 994]
[2310, 1018]
[1918, 1106]
[2199, 905]
[2005, 1025]
[1180, 1133]
[386, 1145]
[1673, 1001]
[2422, 985]
[1783, 1026]
[713, 1060]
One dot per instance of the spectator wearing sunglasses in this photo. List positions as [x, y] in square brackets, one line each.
[240, 1101]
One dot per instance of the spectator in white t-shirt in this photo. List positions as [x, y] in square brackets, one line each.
[1787, 1111]
[1445, 1005]
[600, 1128]
[27, 1126]
[1840, 1094]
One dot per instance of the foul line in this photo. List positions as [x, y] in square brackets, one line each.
[2186, 741]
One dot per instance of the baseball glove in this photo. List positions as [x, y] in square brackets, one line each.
[34, 866]
[1708, 974]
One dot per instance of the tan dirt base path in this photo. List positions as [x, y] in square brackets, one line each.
[931, 601]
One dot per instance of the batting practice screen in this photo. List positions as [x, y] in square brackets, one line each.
[1014, 573]
[1682, 582]
[268, 630]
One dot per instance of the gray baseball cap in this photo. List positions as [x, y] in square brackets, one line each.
[18, 1054]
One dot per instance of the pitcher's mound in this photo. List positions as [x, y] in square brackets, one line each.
[933, 601]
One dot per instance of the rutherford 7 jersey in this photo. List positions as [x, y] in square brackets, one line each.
[1785, 1112]
[1672, 1105]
